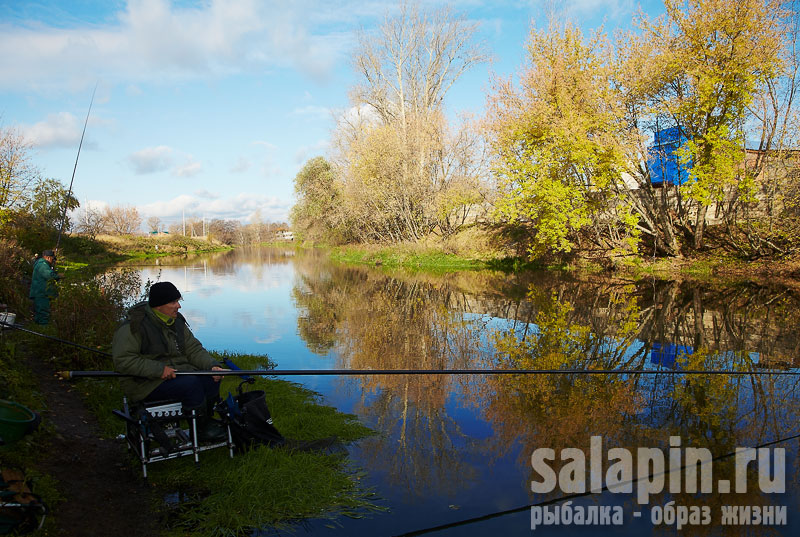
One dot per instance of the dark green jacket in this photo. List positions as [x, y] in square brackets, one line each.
[143, 344]
[43, 283]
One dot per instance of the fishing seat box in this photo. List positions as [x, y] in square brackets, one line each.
[162, 430]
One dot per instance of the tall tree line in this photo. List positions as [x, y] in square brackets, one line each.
[563, 150]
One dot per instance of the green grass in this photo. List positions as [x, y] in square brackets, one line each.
[63, 266]
[670, 269]
[701, 269]
[513, 264]
[399, 256]
[262, 488]
[105, 249]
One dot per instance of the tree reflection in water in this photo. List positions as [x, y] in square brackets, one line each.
[371, 319]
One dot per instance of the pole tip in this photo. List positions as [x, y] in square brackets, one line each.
[65, 375]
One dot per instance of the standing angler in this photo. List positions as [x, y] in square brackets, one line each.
[43, 286]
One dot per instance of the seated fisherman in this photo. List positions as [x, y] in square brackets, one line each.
[153, 343]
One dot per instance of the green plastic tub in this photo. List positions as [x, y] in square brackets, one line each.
[15, 421]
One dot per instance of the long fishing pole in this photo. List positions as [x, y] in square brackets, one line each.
[71, 181]
[357, 372]
[483, 518]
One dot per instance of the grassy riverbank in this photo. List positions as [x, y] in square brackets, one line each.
[440, 258]
[113, 248]
[404, 256]
[224, 497]
[263, 487]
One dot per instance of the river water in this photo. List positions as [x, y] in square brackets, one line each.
[466, 451]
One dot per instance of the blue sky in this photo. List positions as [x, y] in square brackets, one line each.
[210, 108]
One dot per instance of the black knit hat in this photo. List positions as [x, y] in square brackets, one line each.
[162, 293]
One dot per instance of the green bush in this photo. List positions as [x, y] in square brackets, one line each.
[87, 312]
[14, 276]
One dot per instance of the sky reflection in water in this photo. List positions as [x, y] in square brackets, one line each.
[453, 448]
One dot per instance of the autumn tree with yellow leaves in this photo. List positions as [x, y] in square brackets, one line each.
[711, 60]
[570, 140]
[555, 139]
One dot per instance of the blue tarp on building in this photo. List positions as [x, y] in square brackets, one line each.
[662, 162]
[665, 354]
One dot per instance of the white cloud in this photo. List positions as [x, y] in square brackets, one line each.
[151, 160]
[63, 130]
[170, 208]
[239, 207]
[270, 170]
[189, 169]
[162, 158]
[57, 130]
[355, 117]
[95, 205]
[266, 340]
[87, 204]
[156, 40]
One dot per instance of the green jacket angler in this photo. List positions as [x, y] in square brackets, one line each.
[43, 280]
[143, 344]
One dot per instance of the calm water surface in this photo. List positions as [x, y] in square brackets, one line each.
[456, 448]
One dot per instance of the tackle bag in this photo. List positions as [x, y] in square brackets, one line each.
[251, 424]
[250, 421]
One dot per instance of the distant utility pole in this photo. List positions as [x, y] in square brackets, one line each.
[183, 213]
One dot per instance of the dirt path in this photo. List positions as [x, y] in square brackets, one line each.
[104, 494]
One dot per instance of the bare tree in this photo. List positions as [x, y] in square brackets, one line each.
[16, 171]
[122, 220]
[194, 226]
[225, 231]
[766, 220]
[412, 61]
[392, 160]
[90, 221]
[258, 227]
[154, 224]
[175, 228]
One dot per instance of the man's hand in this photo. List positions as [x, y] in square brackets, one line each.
[168, 373]
[217, 378]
